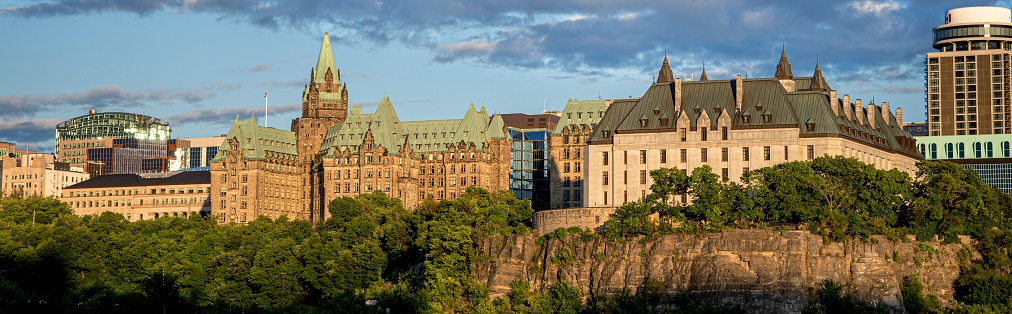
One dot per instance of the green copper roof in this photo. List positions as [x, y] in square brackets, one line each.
[579, 113]
[423, 136]
[258, 140]
[325, 61]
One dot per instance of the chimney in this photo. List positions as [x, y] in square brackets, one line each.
[870, 115]
[678, 95]
[846, 108]
[858, 106]
[899, 117]
[885, 112]
[738, 93]
[834, 103]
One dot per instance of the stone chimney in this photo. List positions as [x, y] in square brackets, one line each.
[899, 116]
[834, 103]
[847, 108]
[738, 93]
[885, 112]
[678, 94]
[870, 114]
[858, 106]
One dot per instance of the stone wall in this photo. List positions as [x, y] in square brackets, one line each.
[761, 270]
[593, 218]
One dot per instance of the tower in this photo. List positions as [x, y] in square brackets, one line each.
[968, 77]
[324, 104]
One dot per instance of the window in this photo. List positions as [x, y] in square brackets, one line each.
[702, 134]
[811, 152]
[643, 157]
[785, 154]
[604, 178]
[565, 168]
[685, 155]
[643, 177]
[723, 154]
[576, 167]
[766, 153]
[664, 156]
[723, 174]
[625, 177]
[723, 133]
[702, 154]
[625, 157]
[681, 134]
[606, 197]
[605, 160]
[744, 153]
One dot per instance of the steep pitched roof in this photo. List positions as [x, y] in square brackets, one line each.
[784, 67]
[702, 77]
[818, 82]
[258, 140]
[617, 111]
[665, 75]
[324, 62]
[579, 113]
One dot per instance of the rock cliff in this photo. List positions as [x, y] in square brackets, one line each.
[761, 270]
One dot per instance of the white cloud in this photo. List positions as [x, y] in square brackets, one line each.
[879, 9]
[473, 47]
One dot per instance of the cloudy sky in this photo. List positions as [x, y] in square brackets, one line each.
[198, 63]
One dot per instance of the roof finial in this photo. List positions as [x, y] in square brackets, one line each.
[702, 77]
[784, 67]
[665, 75]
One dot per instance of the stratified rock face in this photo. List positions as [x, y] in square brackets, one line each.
[760, 270]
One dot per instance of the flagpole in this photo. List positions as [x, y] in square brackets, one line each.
[265, 108]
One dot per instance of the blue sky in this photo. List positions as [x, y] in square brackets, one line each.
[197, 63]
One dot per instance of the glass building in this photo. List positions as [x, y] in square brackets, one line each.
[989, 155]
[105, 141]
[529, 165]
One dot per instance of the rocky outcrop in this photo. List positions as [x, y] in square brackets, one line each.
[761, 270]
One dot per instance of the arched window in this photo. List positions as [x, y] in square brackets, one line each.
[976, 149]
[948, 150]
[989, 149]
[923, 152]
[1005, 151]
[934, 151]
[961, 150]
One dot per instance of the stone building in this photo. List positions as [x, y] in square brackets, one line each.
[567, 143]
[141, 197]
[257, 172]
[37, 174]
[734, 126]
[411, 160]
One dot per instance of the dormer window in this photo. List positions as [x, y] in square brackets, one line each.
[758, 106]
[606, 134]
[643, 122]
[657, 110]
[767, 118]
[810, 126]
[746, 118]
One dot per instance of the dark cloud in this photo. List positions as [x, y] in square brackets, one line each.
[110, 96]
[38, 133]
[227, 115]
[875, 38]
[395, 102]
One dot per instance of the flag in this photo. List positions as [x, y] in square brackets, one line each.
[265, 94]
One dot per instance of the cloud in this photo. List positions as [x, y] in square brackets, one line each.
[109, 96]
[39, 133]
[585, 37]
[263, 67]
[226, 115]
[395, 102]
[286, 83]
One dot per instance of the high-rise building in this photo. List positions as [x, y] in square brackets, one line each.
[968, 77]
[113, 143]
[529, 155]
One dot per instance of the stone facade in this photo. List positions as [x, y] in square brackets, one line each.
[567, 146]
[593, 218]
[142, 197]
[257, 173]
[735, 126]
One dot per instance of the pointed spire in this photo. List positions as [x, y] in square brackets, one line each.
[784, 67]
[665, 75]
[253, 117]
[702, 77]
[818, 81]
[325, 62]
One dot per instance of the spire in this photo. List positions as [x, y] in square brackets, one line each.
[702, 77]
[818, 81]
[325, 62]
[784, 67]
[665, 75]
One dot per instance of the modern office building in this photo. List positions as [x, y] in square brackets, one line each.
[968, 79]
[916, 128]
[113, 143]
[193, 153]
[141, 197]
[989, 155]
[37, 174]
[529, 156]
[567, 143]
[733, 126]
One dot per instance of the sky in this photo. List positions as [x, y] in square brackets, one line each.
[199, 63]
